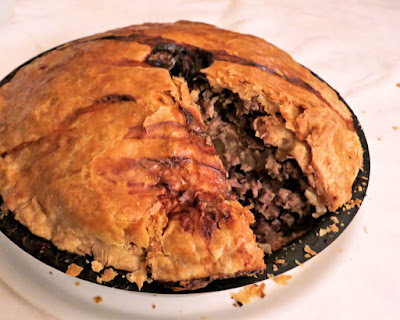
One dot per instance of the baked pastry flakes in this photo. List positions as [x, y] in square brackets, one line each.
[175, 150]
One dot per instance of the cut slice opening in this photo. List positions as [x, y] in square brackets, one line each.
[261, 177]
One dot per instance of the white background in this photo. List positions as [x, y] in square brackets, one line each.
[355, 47]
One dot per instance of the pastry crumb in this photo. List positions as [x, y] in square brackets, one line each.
[280, 261]
[353, 203]
[298, 262]
[282, 279]
[323, 231]
[73, 270]
[308, 250]
[77, 283]
[379, 139]
[270, 275]
[248, 293]
[98, 299]
[359, 188]
[96, 266]
[108, 275]
[275, 267]
[334, 219]
[153, 306]
[307, 255]
[139, 277]
[334, 228]
[365, 229]
[51, 273]
[395, 128]
[398, 84]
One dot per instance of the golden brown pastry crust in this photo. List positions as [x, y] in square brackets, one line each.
[106, 155]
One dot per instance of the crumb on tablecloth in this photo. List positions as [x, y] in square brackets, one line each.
[108, 275]
[73, 270]
[98, 299]
[282, 279]
[248, 293]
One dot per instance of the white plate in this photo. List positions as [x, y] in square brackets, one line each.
[56, 293]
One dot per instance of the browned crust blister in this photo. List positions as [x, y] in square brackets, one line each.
[122, 169]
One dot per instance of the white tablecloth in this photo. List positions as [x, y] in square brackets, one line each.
[354, 46]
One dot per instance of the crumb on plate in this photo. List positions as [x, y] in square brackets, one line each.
[365, 230]
[298, 262]
[77, 283]
[308, 250]
[334, 219]
[282, 279]
[139, 277]
[98, 299]
[108, 275]
[353, 203]
[248, 293]
[73, 270]
[97, 266]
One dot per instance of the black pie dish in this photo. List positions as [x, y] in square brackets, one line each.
[292, 255]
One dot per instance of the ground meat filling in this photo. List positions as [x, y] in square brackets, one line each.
[275, 190]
